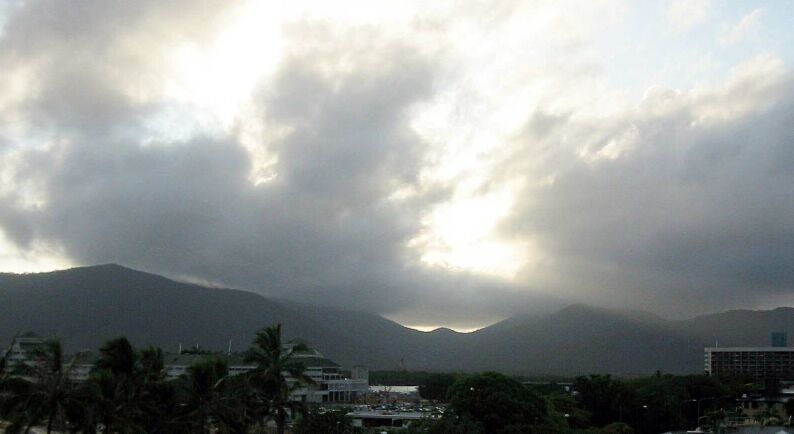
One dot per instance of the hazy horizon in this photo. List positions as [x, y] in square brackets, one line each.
[443, 164]
[429, 327]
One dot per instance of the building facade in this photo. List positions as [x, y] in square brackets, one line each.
[22, 348]
[331, 383]
[759, 363]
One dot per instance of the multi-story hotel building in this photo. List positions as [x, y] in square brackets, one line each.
[759, 363]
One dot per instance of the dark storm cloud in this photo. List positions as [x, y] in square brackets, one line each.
[325, 228]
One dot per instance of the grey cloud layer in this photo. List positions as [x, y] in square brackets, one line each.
[325, 228]
[696, 214]
[689, 209]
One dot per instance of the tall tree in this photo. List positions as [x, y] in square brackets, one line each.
[277, 374]
[4, 360]
[157, 399]
[493, 403]
[203, 396]
[4, 368]
[115, 387]
[435, 386]
[41, 391]
[603, 396]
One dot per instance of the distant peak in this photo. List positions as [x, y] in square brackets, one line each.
[444, 330]
[581, 309]
[114, 267]
[82, 268]
[111, 265]
[111, 270]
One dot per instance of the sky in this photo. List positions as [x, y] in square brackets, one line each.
[445, 163]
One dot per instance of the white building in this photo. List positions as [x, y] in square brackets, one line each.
[22, 348]
[332, 384]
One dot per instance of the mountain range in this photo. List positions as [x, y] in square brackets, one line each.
[89, 305]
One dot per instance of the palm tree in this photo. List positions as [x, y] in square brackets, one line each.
[4, 368]
[41, 392]
[247, 409]
[117, 356]
[115, 388]
[156, 397]
[202, 389]
[277, 373]
[151, 365]
[4, 360]
[127, 391]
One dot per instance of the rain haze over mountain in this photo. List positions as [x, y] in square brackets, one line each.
[440, 163]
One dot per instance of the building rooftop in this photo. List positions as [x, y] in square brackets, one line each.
[82, 358]
[29, 335]
[309, 361]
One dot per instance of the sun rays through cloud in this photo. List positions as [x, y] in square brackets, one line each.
[444, 163]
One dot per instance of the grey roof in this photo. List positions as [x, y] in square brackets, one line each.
[82, 358]
[193, 359]
[238, 360]
[29, 335]
[317, 362]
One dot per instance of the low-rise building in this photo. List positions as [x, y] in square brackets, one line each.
[383, 419]
[22, 348]
[331, 383]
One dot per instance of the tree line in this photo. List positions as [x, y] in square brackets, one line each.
[595, 404]
[128, 393]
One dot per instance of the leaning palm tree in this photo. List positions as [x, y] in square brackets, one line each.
[277, 374]
[41, 390]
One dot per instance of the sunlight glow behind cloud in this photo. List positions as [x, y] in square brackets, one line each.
[390, 154]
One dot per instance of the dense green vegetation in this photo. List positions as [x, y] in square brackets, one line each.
[127, 392]
[493, 403]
